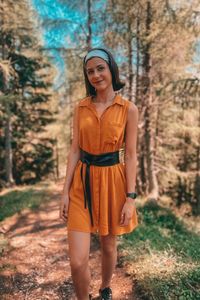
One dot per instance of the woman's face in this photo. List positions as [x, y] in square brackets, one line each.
[98, 74]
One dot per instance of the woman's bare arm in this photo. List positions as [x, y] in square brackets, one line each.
[73, 156]
[131, 148]
[130, 162]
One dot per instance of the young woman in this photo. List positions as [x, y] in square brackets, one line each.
[99, 190]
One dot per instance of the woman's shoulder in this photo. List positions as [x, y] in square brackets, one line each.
[131, 105]
[84, 101]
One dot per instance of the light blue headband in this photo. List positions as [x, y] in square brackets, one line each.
[97, 53]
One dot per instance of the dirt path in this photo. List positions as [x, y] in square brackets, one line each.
[36, 265]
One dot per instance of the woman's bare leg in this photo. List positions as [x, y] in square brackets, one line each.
[79, 248]
[109, 258]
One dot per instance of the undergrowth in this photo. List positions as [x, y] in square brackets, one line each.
[162, 256]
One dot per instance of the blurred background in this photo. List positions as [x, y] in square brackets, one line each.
[157, 47]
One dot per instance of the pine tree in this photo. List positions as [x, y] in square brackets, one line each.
[26, 96]
[158, 30]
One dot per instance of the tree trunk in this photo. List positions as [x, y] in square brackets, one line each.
[130, 61]
[137, 60]
[89, 22]
[8, 127]
[148, 112]
[149, 139]
[57, 160]
[71, 105]
[141, 174]
[8, 149]
[197, 179]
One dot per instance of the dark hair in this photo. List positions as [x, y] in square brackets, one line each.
[116, 82]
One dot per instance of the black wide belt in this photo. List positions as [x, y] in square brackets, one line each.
[101, 160]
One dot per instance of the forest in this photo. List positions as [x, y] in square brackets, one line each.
[157, 47]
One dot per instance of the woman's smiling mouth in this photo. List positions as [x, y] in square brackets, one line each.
[97, 82]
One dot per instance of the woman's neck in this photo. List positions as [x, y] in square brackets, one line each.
[105, 96]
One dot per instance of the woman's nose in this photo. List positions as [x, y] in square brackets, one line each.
[95, 74]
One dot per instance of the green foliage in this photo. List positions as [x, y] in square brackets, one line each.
[182, 286]
[156, 45]
[161, 233]
[26, 84]
[34, 164]
[154, 221]
[15, 201]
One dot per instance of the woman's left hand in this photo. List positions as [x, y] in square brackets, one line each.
[127, 211]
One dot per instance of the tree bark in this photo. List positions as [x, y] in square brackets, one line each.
[137, 60]
[130, 61]
[148, 112]
[89, 23]
[8, 127]
[197, 178]
[8, 148]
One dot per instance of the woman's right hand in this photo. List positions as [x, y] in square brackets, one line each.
[64, 208]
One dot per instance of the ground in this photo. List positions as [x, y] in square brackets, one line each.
[35, 264]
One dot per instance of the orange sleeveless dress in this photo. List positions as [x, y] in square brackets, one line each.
[107, 183]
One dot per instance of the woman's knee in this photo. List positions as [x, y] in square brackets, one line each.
[79, 246]
[108, 245]
[78, 263]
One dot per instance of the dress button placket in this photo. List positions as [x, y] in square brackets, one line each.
[96, 173]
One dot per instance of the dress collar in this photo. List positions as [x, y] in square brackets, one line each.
[88, 101]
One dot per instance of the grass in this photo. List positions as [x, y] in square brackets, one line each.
[163, 256]
[16, 200]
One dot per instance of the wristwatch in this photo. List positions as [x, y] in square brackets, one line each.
[131, 195]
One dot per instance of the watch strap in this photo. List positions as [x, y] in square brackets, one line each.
[131, 195]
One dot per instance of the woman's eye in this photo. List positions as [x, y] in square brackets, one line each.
[99, 69]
